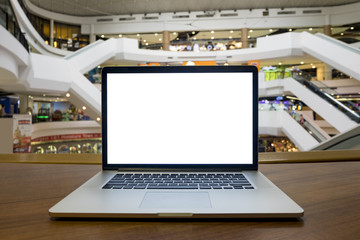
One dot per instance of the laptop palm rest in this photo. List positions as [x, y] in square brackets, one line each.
[176, 200]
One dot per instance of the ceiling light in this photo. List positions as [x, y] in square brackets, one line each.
[290, 30]
[313, 66]
[230, 37]
[102, 36]
[301, 62]
[212, 32]
[248, 36]
[231, 31]
[212, 37]
[160, 39]
[138, 35]
[83, 108]
[280, 63]
[192, 32]
[156, 34]
[352, 28]
[342, 34]
[270, 30]
[67, 94]
[98, 119]
[251, 30]
[174, 33]
[310, 29]
[120, 35]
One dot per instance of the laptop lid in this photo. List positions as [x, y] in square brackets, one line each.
[180, 118]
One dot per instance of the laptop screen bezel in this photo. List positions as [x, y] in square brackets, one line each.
[180, 69]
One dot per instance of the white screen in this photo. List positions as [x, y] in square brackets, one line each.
[179, 118]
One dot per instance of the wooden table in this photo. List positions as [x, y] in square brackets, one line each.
[329, 193]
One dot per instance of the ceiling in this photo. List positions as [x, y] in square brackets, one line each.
[123, 7]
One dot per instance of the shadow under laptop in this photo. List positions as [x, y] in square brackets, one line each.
[292, 222]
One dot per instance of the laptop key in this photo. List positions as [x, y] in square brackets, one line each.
[119, 185]
[240, 181]
[239, 185]
[172, 187]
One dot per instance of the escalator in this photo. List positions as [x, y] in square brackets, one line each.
[347, 140]
[278, 123]
[310, 126]
[305, 135]
[333, 52]
[350, 109]
[344, 116]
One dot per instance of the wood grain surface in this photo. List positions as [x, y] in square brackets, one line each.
[329, 193]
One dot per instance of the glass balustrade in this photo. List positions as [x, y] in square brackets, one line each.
[9, 22]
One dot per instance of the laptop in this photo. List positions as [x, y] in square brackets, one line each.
[179, 142]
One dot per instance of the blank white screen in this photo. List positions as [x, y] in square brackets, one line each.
[179, 118]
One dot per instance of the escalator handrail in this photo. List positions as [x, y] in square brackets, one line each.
[86, 48]
[339, 43]
[327, 97]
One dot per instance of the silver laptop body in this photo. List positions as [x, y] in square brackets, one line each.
[179, 142]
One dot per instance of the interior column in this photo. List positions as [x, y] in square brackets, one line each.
[26, 103]
[327, 68]
[51, 32]
[166, 40]
[244, 37]
[92, 37]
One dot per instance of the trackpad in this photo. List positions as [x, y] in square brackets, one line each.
[176, 200]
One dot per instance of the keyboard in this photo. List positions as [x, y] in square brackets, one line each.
[178, 181]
